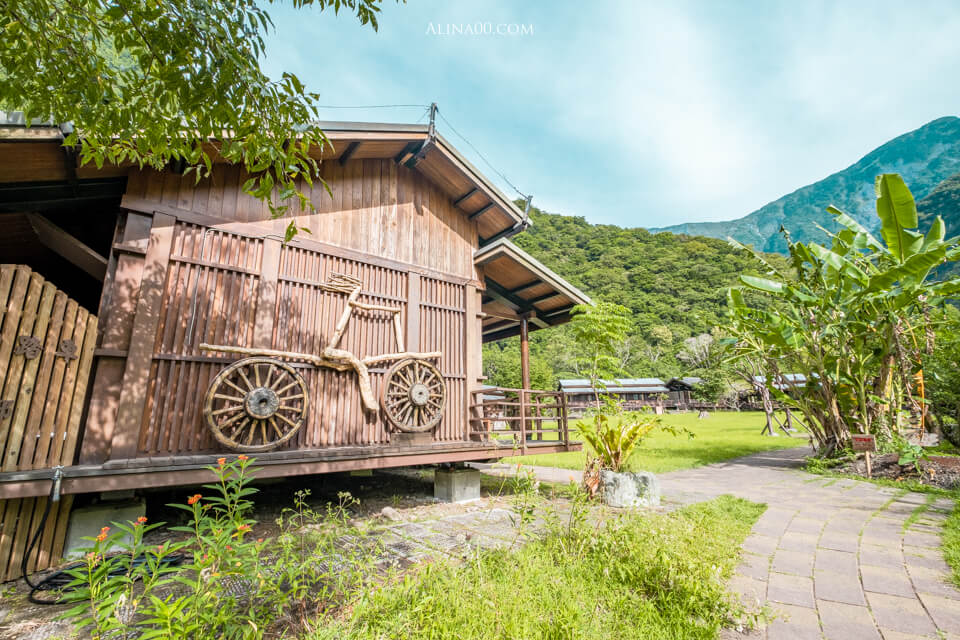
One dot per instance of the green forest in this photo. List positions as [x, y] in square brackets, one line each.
[674, 285]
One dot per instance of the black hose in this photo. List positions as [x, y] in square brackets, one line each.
[60, 580]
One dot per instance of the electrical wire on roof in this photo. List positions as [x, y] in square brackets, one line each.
[370, 106]
[447, 122]
[482, 157]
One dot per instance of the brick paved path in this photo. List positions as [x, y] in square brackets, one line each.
[832, 558]
[835, 558]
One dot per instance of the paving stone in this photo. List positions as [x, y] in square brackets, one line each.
[789, 589]
[885, 580]
[921, 539]
[879, 556]
[840, 542]
[796, 562]
[924, 557]
[944, 611]
[760, 544]
[794, 623]
[933, 582]
[833, 561]
[889, 634]
[838, 587]
[906, 615]
[752, 592]
[754, 566]
[846, 621]
[799, 542]
[806, 525]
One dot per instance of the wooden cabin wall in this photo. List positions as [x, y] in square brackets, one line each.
[373, 206]
[183, 278]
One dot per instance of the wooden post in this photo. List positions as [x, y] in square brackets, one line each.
[524, 370]
[136, 376]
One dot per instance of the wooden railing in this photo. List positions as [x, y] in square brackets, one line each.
[520, 418]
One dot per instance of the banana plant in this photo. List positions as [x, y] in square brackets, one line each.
[851, 317]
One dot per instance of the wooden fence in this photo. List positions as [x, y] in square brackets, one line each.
[519, 418]
[46, 349]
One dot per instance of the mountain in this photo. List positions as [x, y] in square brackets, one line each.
[943, 201]
[924, 157]
[674, 285]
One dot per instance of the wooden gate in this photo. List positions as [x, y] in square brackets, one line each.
[46, 348]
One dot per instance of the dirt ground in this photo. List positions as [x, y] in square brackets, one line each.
[937, 471]
[399, 502]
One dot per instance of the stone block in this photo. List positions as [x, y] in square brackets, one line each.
[87, 522]
[456, 485]
[629, 489]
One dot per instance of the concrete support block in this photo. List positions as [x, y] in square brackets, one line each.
[456, 485]
[87, 521]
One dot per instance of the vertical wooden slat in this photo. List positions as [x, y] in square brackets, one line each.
[136, 373]
[80, 392]
[21, 323]
[267, 294]
[34, 431]
[25, 391]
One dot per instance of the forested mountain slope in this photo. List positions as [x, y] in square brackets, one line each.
[924, 157]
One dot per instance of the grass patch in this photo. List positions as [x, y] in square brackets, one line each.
[951, 543]
[638, 576]
[722, 436]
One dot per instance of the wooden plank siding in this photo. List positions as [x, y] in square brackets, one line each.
[373, 206]
[233, 282]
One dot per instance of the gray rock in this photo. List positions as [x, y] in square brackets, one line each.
[629, 489]
[391, 514]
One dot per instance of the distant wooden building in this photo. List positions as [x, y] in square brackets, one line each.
[152, 323]
[631, 393]
[681, 390]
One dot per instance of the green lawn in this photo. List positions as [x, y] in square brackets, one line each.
[722, 436]
[656, 577]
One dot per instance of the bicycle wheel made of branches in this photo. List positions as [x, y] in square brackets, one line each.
[413, 395]
[256, 404]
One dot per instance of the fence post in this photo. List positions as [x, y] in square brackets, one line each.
[523, 420]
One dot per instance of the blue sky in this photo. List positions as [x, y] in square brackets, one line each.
[642, 113]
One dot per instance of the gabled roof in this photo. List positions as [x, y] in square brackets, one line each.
[409, 144]
[686, 383]
[617, 385]
[519, 284]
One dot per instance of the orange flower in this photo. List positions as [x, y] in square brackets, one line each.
[243, 528]
[103, 534]
[194, 499]
[242, 457]
[259, 540]
[140, 520]
[229, 548]
[221, 461]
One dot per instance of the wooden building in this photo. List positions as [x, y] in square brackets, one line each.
[176, 325]
[681, 390]
[631, 393]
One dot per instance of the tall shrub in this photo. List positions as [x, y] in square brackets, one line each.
[853, 318]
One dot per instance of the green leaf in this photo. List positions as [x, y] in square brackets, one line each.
[763, 284]
[898, 216]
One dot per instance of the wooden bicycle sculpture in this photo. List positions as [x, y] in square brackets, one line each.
[260, 402]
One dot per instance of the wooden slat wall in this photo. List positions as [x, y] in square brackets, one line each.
[19, 520]
[210, 295]
[42, 396]
[306, 316]
[443, 328]
[213, 293]
[374, 206]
